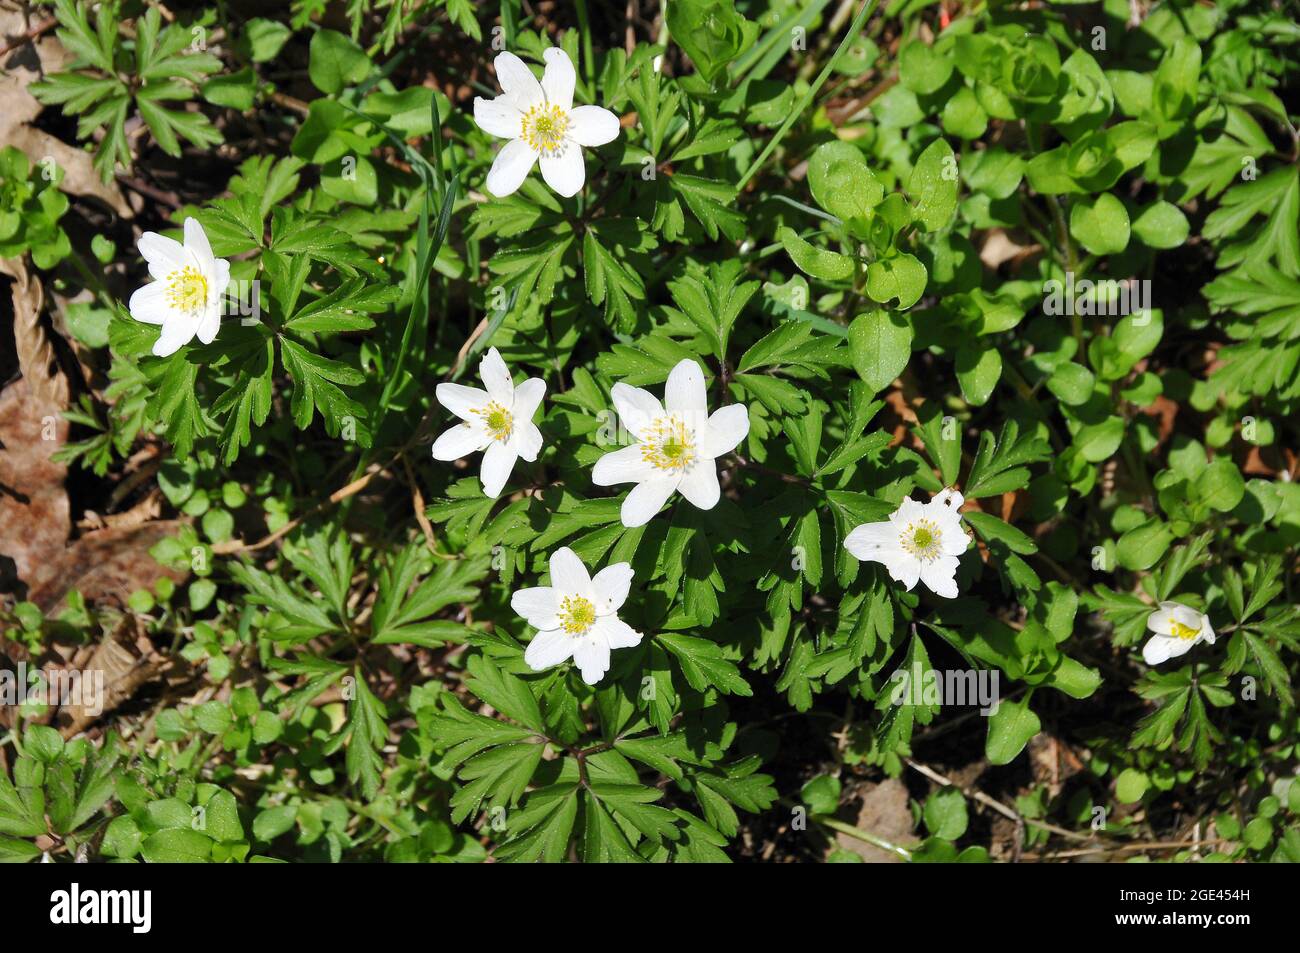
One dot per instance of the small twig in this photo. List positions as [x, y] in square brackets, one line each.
[1007, 812]
[417, 502]
[29, 36]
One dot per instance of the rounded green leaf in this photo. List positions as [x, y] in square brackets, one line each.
[818, 262]
[336, 62]
[1101, 225]
[902, 277]
[978, 371]
[922, 70]
[1131, 785]
[1220, 485]
[1161, 225]
[841, 182]
[880, 343]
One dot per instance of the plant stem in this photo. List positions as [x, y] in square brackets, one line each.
[854, 28]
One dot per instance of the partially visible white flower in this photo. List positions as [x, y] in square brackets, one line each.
[919, 541]
[1177, 628]
[498, 420]
[576, 616]
[185, 295]
[677, 443]
[541, 123]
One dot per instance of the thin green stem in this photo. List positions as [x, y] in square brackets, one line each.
[854, 28]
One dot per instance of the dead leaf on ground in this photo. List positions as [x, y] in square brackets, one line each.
[34, 516]
[37, 562]
[36, 357]
[106, 566]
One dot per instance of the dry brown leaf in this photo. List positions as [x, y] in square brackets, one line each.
[106, 566]
[34, 517]
[35, 353]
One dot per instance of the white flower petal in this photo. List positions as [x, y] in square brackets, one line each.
[177, 331]
[593, 126]
[1161, 620]
[518, 82]
[163, 254]
[569, 576]
[149, 304]
[528, 396]
[558, 78]
[724, 430]
[1186, 615]
[548, 649]
[610, 587]
[222, 278]
[565, 171]
[592, 657]
[868, 540]
[1161, 648]
[527, 440]
[209, 325]
[903, 568]
[616, 633]
[196, 241]
[637, 407]
[940, 576]
[510, 168]
[461, 400]
[538, 606]
[498, 117]
[909, 511]
[700, 485]
[953, 540]
[684, 392]
[498, 460]
[626, 465]
[496, 378]
[644, 500]
[460, 441]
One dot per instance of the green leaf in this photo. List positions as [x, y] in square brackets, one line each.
[881, 345]
[841, 182]
[933, 186]
[1100, 225]
[336, 62]
[1010, 729]
[703, 664]
[978, 371]
[818, 262]
[177, 845]
[901, 277]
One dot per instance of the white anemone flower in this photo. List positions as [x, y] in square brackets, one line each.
[185, 295]
[498, 420]
[541, 123]
[919, 541]
[1177, 628]
[576, 616]
[677, 444]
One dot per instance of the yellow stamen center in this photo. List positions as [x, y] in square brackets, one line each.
[1181, 631]
[577, 615]
[667, 445]
[922, 539]
[544, 128]
[498, 421]
[187, 290]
